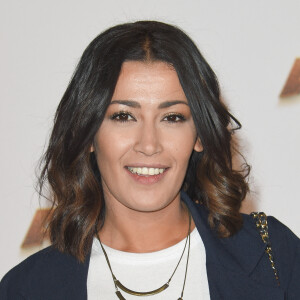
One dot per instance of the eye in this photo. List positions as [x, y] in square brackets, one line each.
[174, 118]
[122, 117]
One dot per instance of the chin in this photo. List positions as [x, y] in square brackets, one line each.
[149, 203]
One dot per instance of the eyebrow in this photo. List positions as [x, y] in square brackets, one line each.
[136, 104]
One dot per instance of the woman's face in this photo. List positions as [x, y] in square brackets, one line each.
[145, 141]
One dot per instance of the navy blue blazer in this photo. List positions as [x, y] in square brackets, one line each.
[237, 267]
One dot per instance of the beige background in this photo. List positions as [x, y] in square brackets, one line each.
[250, 44]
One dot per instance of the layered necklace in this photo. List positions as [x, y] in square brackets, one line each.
[119, 286]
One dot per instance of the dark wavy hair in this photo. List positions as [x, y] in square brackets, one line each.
[71, 171]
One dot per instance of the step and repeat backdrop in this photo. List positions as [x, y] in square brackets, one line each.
[253, 46]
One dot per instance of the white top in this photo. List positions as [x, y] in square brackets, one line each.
[148, 271]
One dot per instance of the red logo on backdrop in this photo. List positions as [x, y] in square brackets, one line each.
[37, 232]
[292, 85]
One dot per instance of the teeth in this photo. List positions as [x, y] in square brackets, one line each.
[146, 171]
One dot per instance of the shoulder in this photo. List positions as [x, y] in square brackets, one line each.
[286, 250]
[281, 232]
[45, 270]
[285, 247]
[283, 241]
[278, 232]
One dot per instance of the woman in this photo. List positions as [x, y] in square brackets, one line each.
[145, 199]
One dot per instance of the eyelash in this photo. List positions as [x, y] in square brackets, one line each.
[116, 117]
[177, 116]
[121, 114]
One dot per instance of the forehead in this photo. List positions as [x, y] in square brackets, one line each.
[144, 81]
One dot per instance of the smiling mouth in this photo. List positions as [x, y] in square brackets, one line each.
[144, 171]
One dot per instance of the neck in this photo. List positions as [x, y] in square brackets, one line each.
[128, 230]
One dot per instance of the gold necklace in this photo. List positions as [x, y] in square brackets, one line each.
[119, 285]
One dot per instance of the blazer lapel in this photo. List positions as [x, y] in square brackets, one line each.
[232, 262]
[227, 284]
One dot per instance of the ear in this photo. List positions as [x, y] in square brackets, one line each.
[92, 149]
[198, 145]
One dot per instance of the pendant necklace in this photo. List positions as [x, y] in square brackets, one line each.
[119, 285]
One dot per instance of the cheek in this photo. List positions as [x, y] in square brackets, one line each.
[110, 147]
[181, 145]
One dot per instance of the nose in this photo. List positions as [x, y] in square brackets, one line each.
[148, 140]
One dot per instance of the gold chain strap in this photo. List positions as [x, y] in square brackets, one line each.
[262, 227]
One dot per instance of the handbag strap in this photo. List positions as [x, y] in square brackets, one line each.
[262, 227]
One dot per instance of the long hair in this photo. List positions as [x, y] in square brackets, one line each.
[71, 170]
